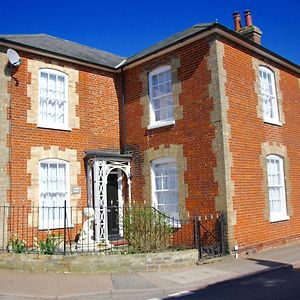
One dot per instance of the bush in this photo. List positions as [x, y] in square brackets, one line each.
[146, 229]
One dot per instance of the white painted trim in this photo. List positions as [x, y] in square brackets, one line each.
[161, 124]
[121, 63]
[279, 218]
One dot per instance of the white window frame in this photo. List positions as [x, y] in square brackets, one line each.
[163, 122]
[53, 222]
[271, 96]
[164, 160]
[276, 187]
[46, 123]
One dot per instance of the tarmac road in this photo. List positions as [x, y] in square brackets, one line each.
[283, 283]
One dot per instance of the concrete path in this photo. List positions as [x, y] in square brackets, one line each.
[142, 285]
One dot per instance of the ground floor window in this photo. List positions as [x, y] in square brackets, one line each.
[276, 188]
[165, 187]
[54, 191]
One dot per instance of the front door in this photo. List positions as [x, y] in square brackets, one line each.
[112, 206]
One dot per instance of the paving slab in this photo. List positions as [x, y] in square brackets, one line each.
[130, 282]
[52, 284]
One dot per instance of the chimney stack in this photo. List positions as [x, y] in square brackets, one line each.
[249, 31]
[237, 21]
[248, 18]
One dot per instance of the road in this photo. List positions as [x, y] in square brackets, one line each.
[278, 284]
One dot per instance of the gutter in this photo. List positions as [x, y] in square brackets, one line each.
[124, 131]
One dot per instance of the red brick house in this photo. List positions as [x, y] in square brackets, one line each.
[203, 121]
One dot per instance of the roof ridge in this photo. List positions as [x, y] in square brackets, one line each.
[25, 35]
[203, 24]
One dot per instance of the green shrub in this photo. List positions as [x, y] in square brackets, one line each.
[146, 229]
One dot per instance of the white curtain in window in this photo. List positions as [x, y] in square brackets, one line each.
[53, 193]
[52, 110]
[161, 94]
[166, 191]
[277, 201]
[268, 94]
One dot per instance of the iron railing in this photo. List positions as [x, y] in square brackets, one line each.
[134, 229]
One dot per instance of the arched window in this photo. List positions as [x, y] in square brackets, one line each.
[268, 95]
[53, 99]
[165, 186]
[276, 188]
[54, 191]
[160, 93]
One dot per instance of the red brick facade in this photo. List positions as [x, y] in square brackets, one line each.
[219, 138]
[196, 132]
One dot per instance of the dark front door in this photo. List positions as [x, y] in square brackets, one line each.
[112, 205]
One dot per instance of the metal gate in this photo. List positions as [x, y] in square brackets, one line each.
[209, 233]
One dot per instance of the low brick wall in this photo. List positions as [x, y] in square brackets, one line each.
[99, 263]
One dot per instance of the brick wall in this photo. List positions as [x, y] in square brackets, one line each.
[192, 130]
[249, 138]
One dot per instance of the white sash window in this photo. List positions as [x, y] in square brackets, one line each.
[160, 92]
[268, 95]
[53, 112]
[53, 193]
[276, 186]
[165, 187]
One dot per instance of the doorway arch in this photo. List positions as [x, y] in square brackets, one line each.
[99, 166]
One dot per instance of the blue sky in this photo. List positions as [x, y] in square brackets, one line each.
[126, 27]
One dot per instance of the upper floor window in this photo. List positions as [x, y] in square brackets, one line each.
[53, 193]
[53, 99]
[160, 92]
[276, 187]
[268, 95]
[165, 189]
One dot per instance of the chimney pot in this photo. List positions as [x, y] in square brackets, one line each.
[237, 21]
[248, 18]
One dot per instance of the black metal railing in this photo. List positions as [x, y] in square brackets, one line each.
[110, 230]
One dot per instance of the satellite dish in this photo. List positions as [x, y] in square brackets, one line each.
[13, 57]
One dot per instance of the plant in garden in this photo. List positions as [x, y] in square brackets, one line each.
[48, 246]
[146, 229]
[17, 245]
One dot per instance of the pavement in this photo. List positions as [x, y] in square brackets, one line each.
[143, 285]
